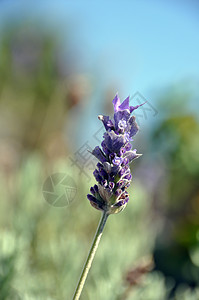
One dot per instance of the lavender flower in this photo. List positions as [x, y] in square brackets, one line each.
[113, 173]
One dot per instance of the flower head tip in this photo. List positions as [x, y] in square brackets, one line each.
[113, 174]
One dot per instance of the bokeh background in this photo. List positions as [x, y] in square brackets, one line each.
[61, 64]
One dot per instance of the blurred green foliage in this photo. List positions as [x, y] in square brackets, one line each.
[38, 85]
[177, 193]
[43, 248]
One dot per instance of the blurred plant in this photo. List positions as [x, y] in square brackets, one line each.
[7, 264]
[134, 276]
[176, 252]
[38, 86]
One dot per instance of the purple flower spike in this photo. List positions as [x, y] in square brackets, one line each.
[113, 174]
[116, 103]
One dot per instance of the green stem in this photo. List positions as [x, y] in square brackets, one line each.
[91, 255]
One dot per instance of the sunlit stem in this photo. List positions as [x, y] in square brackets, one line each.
[90, 257]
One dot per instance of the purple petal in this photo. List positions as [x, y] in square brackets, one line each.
[104, 183]
[108, 124]
[107, 167]
[118, 192]
[127, 169]
[97, 176]
[125, 160]
[122, 151]
[99, 165]
[127, 137]
[126, 200]
[132, 126]
[116, 103]
[105, 149]
[114, 141]
[132, 108]
[91, 198]
[112, 156]
[128, 146]
[119, 116]
[96, 188]
[95, 203]
[119, 203]
[121, 183]
[111, 185]
[122, 172]
[122, 124]
[114, 170]
[128, 176]
[131, 155]
[103, 173]
[97, 152]
[125, 104]
[117, 160]
[92, 190]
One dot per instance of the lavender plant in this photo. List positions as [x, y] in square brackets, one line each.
[112, 174]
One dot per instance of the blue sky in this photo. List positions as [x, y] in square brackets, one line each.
[141, 45]
[138, 43]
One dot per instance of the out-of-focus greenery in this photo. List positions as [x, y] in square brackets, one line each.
[37, 89]
[43, 248]
[182, 206]
[175, 146]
